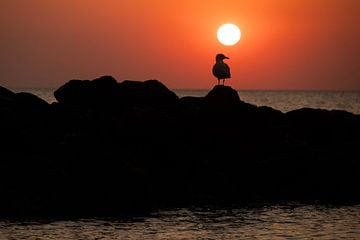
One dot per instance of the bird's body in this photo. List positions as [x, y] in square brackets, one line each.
[220, 69]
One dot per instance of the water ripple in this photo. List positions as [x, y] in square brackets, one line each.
[270, 222]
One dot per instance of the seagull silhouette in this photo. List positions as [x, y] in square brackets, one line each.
[220, 69]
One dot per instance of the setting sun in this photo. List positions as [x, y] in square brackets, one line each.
[228, 34]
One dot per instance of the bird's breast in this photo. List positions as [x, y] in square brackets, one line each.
[221, 70]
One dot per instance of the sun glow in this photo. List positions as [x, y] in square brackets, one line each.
[228, 34]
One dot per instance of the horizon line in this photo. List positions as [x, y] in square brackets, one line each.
[208, 89]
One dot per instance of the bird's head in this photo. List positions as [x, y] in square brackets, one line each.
[220, 57]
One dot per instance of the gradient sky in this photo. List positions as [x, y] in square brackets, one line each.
[285, 44]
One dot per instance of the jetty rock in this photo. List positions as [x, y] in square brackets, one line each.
[21, 101]
[106, 147]
[6, 94]
[88, 93]
[223, 96]
[106, 91]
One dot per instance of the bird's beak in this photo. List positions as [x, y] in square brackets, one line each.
[226, 57]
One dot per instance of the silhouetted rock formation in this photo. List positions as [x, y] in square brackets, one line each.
[6, 95]
[107, 147]
[30, 102]
[106, 91]
[223, 96]
[21, 101]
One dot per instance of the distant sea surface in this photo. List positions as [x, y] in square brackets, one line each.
[282, 100]
[289, 221]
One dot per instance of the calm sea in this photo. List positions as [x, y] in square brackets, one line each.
[282, 100]
[290, 221]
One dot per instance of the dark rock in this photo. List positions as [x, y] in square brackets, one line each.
[269, 113]
[6, 94]
[158, 150]
[99, 92]
[150, 93]
[222, 96]
[30, 102]
[191, 103]
[6, 97]
[323, 127]
[317, 115]
[20, 102]
[105, 92]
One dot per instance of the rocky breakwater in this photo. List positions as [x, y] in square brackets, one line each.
[107, 147]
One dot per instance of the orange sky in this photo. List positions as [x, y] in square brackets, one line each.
[285, 44]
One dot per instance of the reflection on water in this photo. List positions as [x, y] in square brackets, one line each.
[266, 222]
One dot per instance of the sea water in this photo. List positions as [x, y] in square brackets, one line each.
[282, 100]
[285, 221]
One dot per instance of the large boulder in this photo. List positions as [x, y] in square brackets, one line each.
[106, 91]
[100, 91]
[323, 126]
[190, 103]
[222, 96]
[20, 101]
[150, 93]
[6, 96]
[30, 102]
[6, 93]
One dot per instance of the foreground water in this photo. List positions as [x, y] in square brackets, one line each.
[282, 100]
[289, 221]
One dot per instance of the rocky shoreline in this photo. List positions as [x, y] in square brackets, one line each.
[107, 147]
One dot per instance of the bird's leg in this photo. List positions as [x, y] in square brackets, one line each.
[218, 81]
[223, 82]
